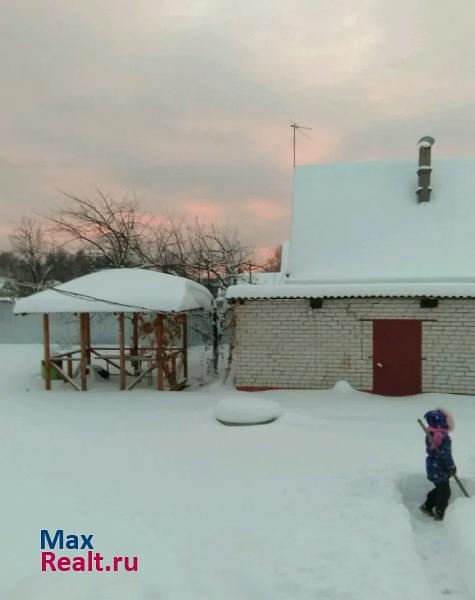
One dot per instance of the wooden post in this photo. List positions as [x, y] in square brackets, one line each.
[215, 340]
[135, 342]
[47, 361]
[173, 372]
[123, 382]
[88, 337]
[70, 365]
[83, 362]
[159, 334]
[185, 346]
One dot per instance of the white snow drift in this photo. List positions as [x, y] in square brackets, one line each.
[245, 409]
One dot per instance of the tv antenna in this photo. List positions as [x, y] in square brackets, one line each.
[295, 127]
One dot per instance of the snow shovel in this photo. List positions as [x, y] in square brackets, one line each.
[459, 483]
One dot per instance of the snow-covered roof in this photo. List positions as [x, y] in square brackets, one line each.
[447, 289]
[362, 221]
[119, 290]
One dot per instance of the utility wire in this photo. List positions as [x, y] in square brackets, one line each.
[111, 302]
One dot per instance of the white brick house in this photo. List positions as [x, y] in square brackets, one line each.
[380, 283]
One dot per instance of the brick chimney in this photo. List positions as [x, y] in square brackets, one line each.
[425, 169]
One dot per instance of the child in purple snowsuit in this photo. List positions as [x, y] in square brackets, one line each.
[440, 465]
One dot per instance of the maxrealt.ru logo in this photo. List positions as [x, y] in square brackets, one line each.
[89, 560]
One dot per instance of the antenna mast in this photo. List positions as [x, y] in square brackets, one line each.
[295, 127]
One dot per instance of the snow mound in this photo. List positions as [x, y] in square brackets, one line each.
[461, 528]
[240, 410]
[342, 386]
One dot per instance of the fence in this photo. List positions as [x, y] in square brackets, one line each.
[28, 329]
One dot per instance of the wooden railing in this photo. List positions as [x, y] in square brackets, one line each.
[171, 365]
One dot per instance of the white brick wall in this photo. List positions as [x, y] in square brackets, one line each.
[284, 343]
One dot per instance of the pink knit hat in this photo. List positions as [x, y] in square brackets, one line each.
[449, 417]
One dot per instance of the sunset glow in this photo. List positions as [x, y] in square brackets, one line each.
[170, 103]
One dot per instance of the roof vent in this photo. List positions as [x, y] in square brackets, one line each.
[425, 169]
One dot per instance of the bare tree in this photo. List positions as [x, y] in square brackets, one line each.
[210, 254]
[29, 242]
[111, 230]
[116, 233]
[166, 246]
[273, 263]
[218, 255]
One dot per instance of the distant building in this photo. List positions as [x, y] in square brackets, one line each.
[9, 289]
[379, 287]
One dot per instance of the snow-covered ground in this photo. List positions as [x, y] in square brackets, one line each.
[320, 504]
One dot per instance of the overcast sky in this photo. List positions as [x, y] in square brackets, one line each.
[188, 104]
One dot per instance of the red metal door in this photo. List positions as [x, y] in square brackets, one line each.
[397, 357]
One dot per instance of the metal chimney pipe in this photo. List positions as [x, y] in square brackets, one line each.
[425, 168]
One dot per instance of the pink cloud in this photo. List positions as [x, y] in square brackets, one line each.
[204, 210]
[265, 209]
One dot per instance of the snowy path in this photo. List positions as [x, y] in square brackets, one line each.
[433, 544]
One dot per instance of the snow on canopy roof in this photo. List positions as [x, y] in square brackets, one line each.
[119, 290]
[360, 289]
[362, 221]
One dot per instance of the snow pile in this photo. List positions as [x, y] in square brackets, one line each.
[246, 410]
[343, 387]
[116, 290]
[460, 523]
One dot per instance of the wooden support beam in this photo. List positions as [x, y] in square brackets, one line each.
[83, 362]
[70, 365]
[123, 381]
[173, 372]
[47, 361]
[65, 376]
[141, 376]
[111, 362]
[88, 337]
[215, 340]
[159, 334]
[185, 345]
[135, 342]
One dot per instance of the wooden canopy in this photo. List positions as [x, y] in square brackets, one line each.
[157, 304]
